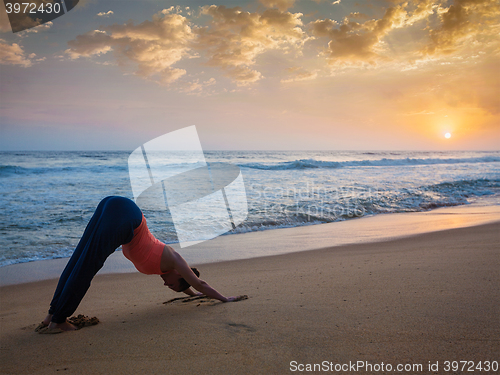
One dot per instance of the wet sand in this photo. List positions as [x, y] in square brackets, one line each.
[430, 297]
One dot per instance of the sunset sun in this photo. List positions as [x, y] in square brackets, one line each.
[447, 135]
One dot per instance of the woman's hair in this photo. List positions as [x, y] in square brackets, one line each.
[183, 284]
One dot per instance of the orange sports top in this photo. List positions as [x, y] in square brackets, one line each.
[144, 250]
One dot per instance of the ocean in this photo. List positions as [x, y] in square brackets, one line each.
[48, 197]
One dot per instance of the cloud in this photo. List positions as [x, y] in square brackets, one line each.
[232, 42]
[462, 21]
[38, 28]
[299, 74]
[196, 87]
[423, 9]
[105, 14]
[92, 43]
[174, 9]
[235, 38]
[447, 29]
[357, 15]
[354, 42]
[280, 4]
[152, 47]
[13, 54]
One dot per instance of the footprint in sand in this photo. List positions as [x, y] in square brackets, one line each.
[79, 321]
[238, 328]
[31, 327]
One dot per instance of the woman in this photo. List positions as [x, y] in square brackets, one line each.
[119, 221]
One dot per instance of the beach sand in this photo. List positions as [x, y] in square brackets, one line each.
[422, 299]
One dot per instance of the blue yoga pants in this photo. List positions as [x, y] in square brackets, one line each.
[112, 225]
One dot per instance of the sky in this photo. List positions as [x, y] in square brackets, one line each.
[256, 75]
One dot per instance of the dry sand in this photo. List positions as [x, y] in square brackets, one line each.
[427, 298]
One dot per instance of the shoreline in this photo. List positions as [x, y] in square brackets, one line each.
[368, 229]
[420, 300]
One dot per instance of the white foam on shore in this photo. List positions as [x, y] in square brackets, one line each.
[272, 242]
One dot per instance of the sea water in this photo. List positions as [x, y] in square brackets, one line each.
[48, 197]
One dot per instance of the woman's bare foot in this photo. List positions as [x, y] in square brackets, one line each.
[66, 326]
[47, 319]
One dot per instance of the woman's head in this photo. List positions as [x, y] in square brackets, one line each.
[183, 284]
[175, 281]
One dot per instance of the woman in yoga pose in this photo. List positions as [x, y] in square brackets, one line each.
[119, 221]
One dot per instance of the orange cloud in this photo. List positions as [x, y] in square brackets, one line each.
[13, 54]
[235, 38]
[462, 21]
[299, 74]
[231, 42]
[354, 42]
[92, 43]
[280, 4]
[153, 46]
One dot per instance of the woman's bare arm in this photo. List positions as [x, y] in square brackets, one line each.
[190, 292]
[182, 267]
